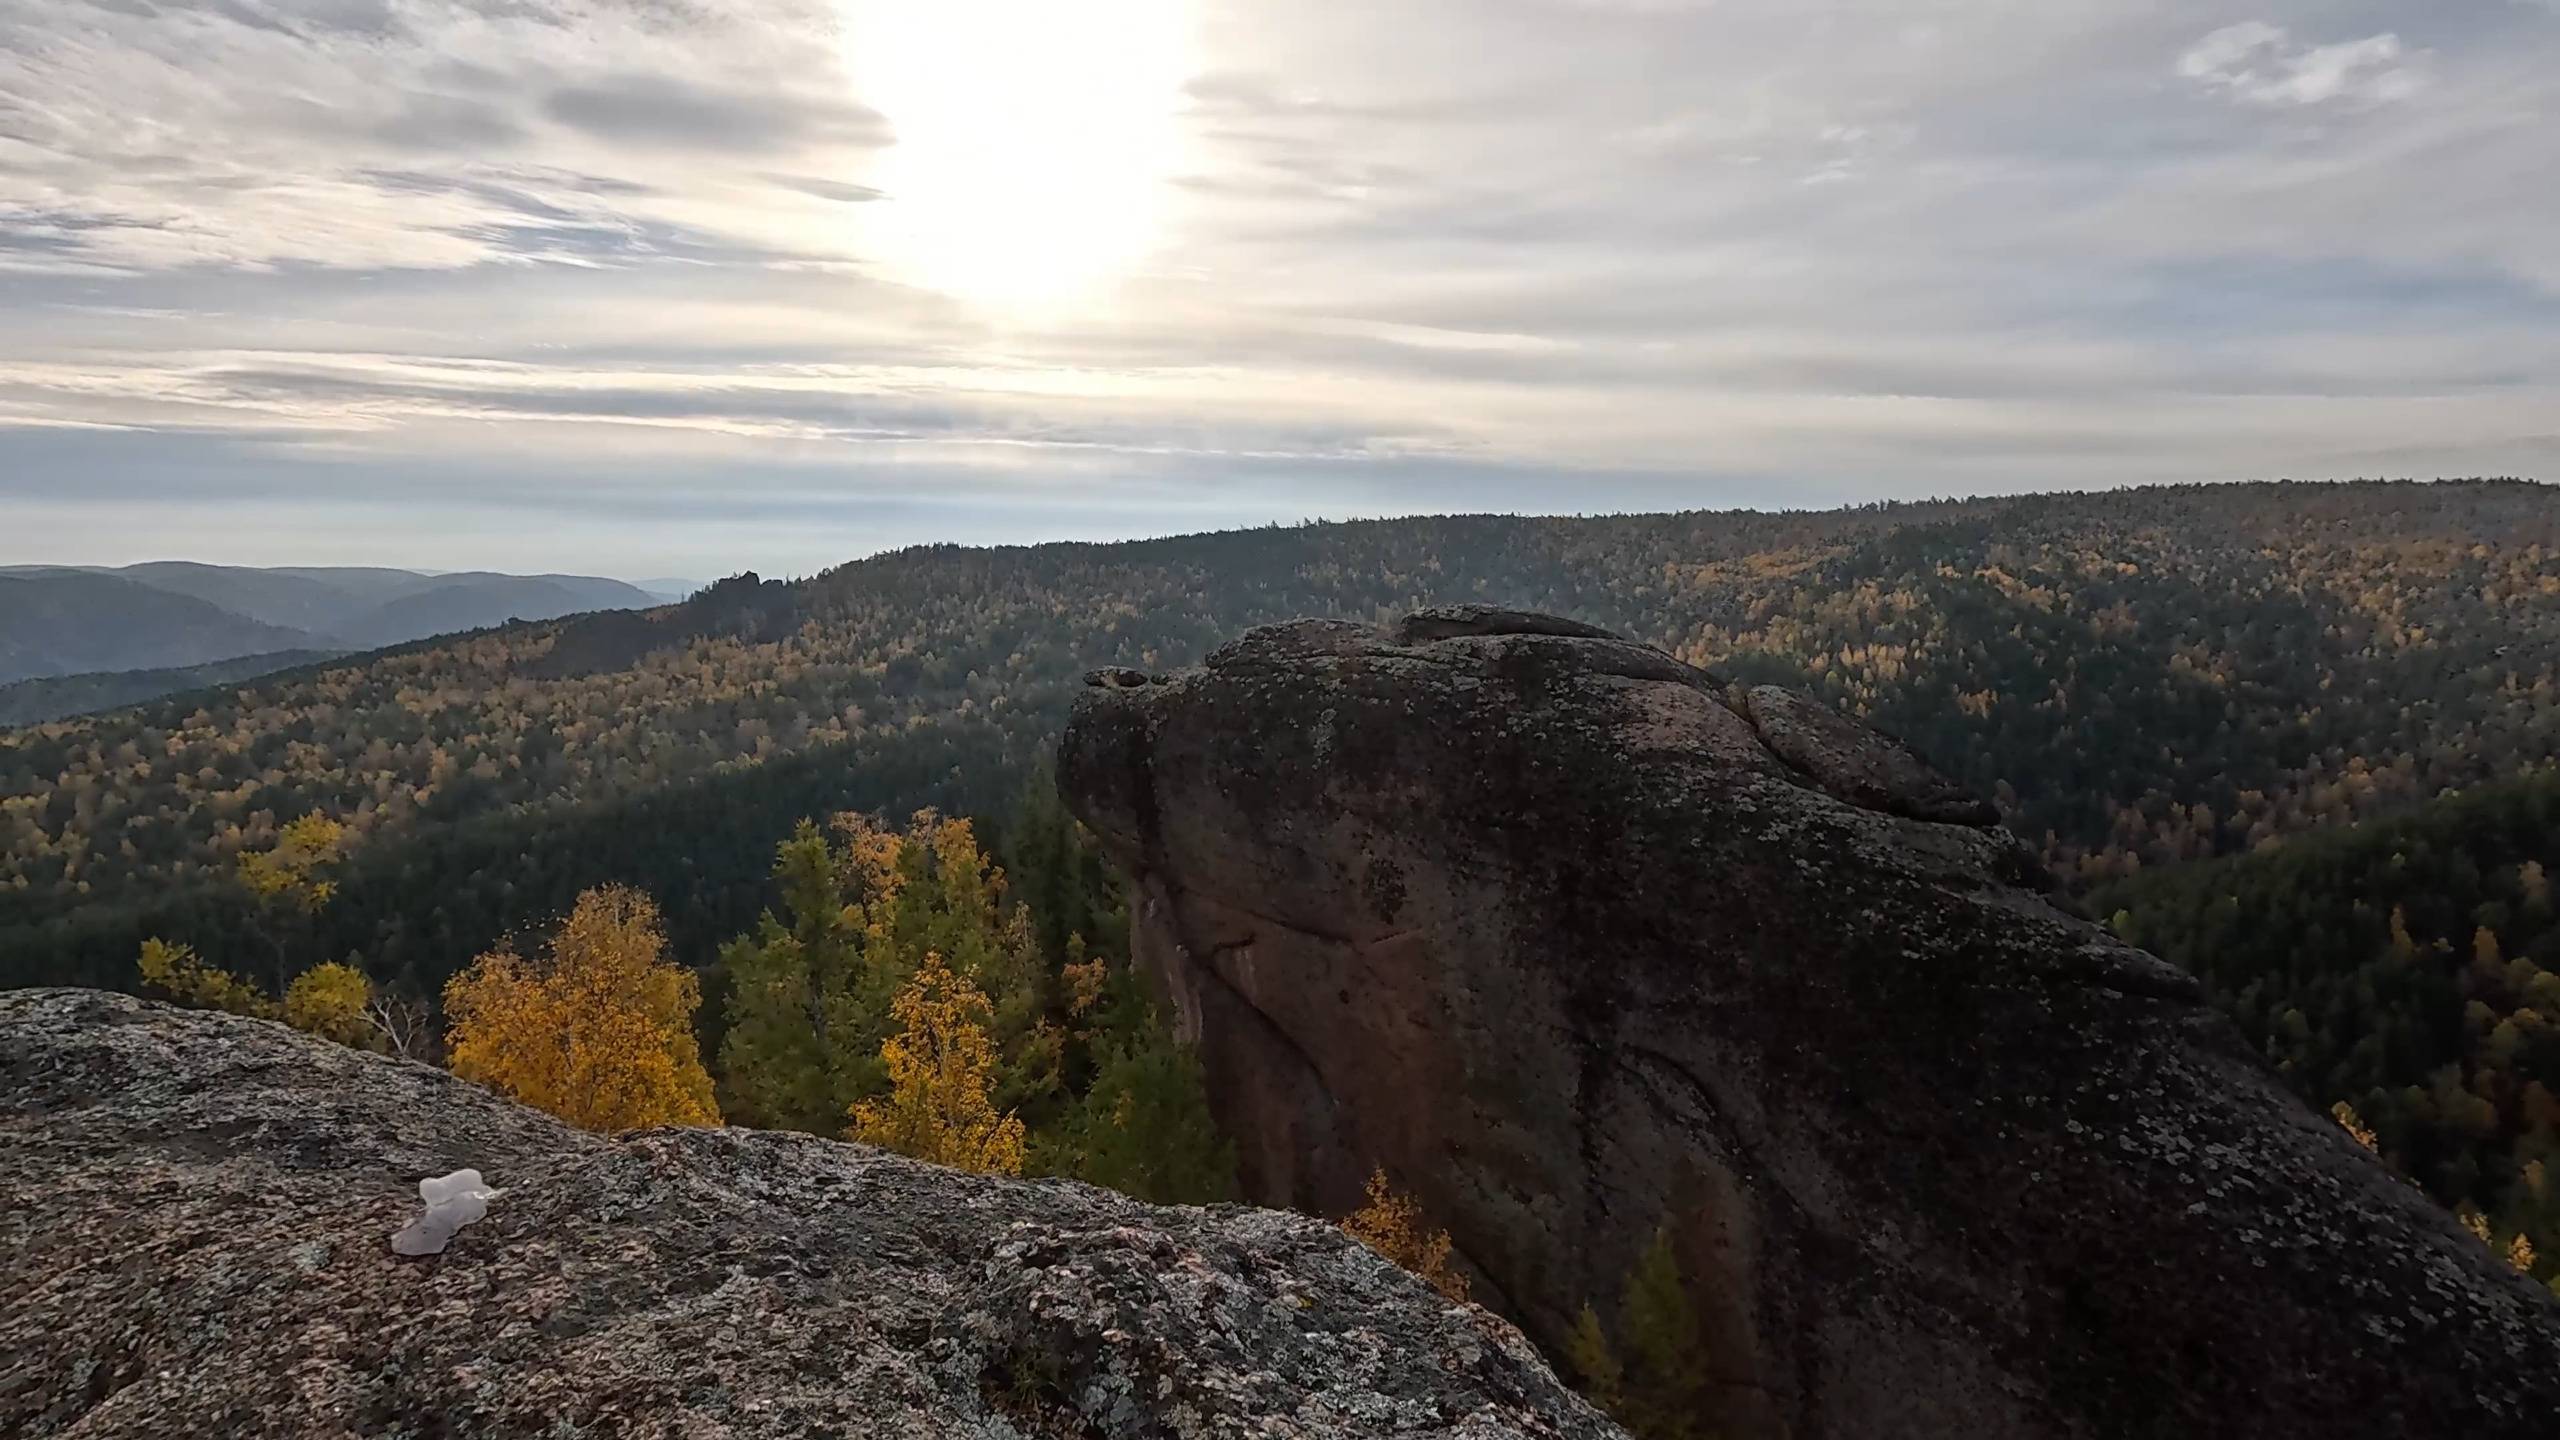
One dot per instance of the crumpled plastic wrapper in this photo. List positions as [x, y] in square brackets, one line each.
[452, 1201]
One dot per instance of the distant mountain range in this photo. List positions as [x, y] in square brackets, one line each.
[176, 615]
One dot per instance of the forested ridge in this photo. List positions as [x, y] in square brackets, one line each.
[31, 702]
[2299, 739]
[2138, 676]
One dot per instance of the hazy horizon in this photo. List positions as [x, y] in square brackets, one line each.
[704, 575]
[655, 287]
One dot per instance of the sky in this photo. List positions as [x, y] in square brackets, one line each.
[682, 287]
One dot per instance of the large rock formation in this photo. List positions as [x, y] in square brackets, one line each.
[195, 1223]
[1580, 942]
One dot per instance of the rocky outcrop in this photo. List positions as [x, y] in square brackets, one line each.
[1581, 944]
[195, 1222]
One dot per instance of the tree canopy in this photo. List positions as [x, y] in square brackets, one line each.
[2139, 677]
[599, 1031]
[2404, 975]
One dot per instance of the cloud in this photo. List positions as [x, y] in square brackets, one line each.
[431, 123]
[145, 116]
[639, 258]
[841, 191]
[2258, 64]
[666, 110]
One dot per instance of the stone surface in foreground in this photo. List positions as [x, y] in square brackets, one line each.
[195, 1214]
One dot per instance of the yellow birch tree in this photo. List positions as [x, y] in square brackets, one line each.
[179, 973]
[329, 1000]
[1392, 1223]
[941, 1067]
[600, 1033]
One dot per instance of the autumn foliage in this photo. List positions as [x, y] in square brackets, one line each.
[1392, 1223]
[332, 1001]
[177, 972]
[907, 989]
[289, 874]
[812, 992]
[289, 883]
[941, 1069]
[599, 1032]
[335, 999]
[2156, 674]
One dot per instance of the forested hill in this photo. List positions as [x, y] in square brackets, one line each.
[2139, 676]
[2408, 969]
[51, 697]
[86, 625]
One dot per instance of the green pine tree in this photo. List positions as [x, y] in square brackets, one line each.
[1597, 1371]
[1144, 1127]
[1667, 1387]
[807, 1007]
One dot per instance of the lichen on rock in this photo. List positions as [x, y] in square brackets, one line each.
[1586, 946]
[191, 1243]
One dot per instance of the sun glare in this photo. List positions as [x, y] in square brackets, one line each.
[1034, 139]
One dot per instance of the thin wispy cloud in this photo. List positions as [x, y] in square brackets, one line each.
[842, 272]
[2260, 64]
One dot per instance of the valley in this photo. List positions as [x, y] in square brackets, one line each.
[2137, 678]
[2296, 739]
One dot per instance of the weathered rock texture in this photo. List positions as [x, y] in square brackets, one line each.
[1580, 942]
[195, 1215]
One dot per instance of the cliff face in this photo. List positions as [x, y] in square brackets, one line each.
[1579, 943]
[196, 1210]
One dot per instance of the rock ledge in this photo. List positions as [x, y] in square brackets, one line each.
[194, 1239]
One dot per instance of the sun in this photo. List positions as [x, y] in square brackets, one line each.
[1034, 139]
